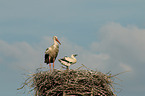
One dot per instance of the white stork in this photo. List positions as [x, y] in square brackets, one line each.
[52, 52]
[67, 61]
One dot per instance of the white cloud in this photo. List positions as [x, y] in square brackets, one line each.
[119, 49]
[124, 44]
[126, 67]
[19, 55]
[29, 57]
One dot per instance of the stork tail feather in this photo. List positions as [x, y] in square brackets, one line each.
[47, 59]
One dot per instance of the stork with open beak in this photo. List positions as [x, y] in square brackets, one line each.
[67, 61]
[52, 52]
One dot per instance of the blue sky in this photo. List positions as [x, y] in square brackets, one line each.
[108, 35]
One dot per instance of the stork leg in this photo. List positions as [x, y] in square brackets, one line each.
[67, 68]
[53, 64]
[49, 64]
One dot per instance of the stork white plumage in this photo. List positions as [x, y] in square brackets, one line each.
[52, 52]
[67, 61]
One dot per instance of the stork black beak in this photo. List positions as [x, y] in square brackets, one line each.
[75, 55]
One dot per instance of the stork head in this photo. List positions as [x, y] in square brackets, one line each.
[75, 55]
[55, 39]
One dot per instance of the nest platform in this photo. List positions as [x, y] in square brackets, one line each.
[70, 83]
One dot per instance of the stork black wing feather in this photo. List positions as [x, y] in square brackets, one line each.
[66, 60]
[47, 59]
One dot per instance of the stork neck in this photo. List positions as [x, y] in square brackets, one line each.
[75, 60]
[55, 42]
[73, 57]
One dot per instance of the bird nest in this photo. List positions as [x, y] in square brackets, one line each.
[70, 83]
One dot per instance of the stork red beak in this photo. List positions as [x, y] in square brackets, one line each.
[58, 41]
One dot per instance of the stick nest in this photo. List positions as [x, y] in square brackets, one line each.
[70, 83]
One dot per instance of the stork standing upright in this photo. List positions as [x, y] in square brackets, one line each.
[67, 61]
[52, 52]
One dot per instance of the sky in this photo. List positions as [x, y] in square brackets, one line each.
[107, 35]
